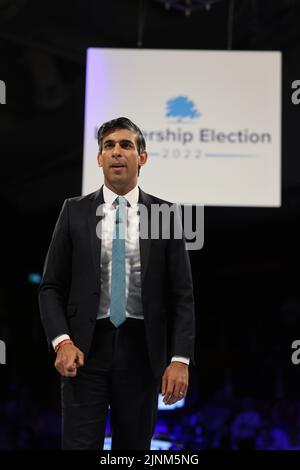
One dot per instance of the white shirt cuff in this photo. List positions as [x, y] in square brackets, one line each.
[185, 360]
[58, 339]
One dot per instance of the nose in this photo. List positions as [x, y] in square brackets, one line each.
[116, 150]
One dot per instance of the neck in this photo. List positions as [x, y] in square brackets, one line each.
[120, 189]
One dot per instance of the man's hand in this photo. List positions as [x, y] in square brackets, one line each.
[68, 358]
[175, 382]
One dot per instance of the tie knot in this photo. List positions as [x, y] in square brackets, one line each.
[120, 201]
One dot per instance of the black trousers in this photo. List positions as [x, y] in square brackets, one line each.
[116, 374]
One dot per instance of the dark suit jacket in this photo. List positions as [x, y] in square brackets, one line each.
[70, 288]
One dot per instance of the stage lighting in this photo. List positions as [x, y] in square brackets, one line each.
[34, 278]
[188, 6]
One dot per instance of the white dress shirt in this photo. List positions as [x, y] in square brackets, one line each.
[132, 260]
[133, 282]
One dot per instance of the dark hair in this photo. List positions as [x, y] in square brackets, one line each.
[121, 123]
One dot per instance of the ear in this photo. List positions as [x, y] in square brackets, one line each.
[143, 158]
[99, 159]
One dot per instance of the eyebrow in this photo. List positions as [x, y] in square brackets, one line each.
[122, 141]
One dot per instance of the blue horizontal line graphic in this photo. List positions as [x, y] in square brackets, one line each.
[230, 155]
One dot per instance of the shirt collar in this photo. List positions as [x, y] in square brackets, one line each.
[132, 196]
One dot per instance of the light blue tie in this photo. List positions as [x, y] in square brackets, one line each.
[118, 293]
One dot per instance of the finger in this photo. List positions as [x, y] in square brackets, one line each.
[65, 373]
[179, 392]
[168, 396]
[173, 399]
[168, 399]
[70, 369]
[70, 363]
[176, 398]
[65, 369]
[80, 359]
[59, 368]
[71, 374]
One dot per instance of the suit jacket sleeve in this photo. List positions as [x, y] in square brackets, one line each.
[180, 288]
[55, 283]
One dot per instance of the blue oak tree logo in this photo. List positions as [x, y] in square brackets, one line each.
[180, 108]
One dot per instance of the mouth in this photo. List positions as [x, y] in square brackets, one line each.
[117, 166]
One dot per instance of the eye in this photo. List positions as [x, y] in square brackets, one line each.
[108, 145]
[126, 145]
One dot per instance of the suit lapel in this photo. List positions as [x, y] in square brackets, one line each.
[94, 220]
[145, 243]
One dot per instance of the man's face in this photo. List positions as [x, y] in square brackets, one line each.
[120, 159]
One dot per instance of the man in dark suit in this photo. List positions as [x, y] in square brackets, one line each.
[117, 306]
